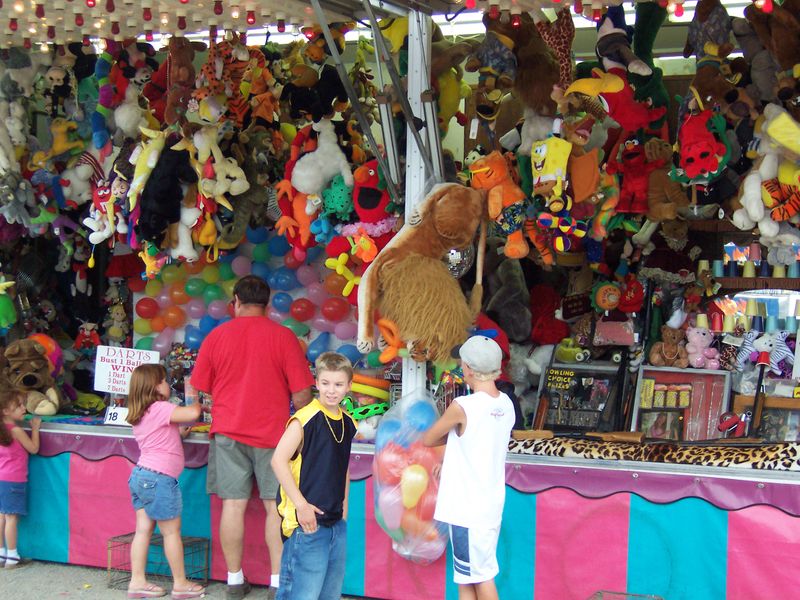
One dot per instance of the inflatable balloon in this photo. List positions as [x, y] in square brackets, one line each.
[217, 309]
[164, 299]
[152, 288]
[258, 235]
[163, 342]
[406, 481]
[291, 261]
[260, 270]
[278, 246]
[282, 302]
[226, 271]
[322, 324]
[136, 284]
[307, 275]
[195, 287]
[318, 346]
[283, 279]
[193, 337]
[53, 352]
[171, 274]
[317, 293]
[174, 317]
[241, 266]
[194, 268]
[261, 253]
[142, 326]
[145, 343]
[351, 352]
[213, 292]
[335, 309]
[374, 359]
[195, 308]
[334, 284]
[276, 315]
[303, 309]
[298, 328]
[210, 274]
[147, 308]
[346, 330]
[177, 293]
[157, 324]
[207, 323]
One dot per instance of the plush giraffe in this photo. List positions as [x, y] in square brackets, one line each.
[559, 36]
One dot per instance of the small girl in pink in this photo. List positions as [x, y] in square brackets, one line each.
[14, 448]
[154, 481]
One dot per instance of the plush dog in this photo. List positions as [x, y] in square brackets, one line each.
[28, 370]
[409, 284]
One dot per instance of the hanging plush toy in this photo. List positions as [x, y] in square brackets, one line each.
[703, 148]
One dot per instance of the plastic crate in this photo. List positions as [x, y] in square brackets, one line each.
[195, 558]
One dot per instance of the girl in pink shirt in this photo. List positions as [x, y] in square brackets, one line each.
[14, 448]
[154, 481]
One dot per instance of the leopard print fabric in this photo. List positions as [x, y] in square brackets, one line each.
[774, 457]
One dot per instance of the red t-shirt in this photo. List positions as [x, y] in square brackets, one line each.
[251, 366]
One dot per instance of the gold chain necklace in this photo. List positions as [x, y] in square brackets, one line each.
[327, 420]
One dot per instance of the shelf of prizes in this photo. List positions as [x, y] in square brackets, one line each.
[574, 522]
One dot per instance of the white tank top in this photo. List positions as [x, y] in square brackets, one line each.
[472, 487]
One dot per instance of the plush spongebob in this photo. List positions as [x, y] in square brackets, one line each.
[549, 166]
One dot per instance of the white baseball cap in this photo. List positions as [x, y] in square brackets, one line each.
[481, 354]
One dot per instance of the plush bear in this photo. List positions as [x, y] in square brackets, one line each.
[713, 84]
[410, 285]
[701, 354]
[29, 371]
[670, 351]
[537, 68]
[509, 300]
[170, 87]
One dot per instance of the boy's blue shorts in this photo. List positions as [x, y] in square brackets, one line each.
[13, 498]
[158, 494]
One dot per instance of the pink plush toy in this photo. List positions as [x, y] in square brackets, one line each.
[701, 355]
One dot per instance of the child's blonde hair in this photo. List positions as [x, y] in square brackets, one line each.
[333, 361]
[9, 399]
[144, 381]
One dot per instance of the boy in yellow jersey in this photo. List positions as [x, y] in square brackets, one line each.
[311, 464]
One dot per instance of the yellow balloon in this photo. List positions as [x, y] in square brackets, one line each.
[142, 326]
[182, 273]
[227, 287]
[288, 131]
[211, 274]
[170, 274]
[413, 483]
[152, 288]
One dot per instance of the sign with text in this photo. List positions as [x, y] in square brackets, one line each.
[113, 367]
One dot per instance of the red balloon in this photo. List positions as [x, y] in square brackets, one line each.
[147, 308]
[302, 309]
[136, 284]
[427, 504]
[291, 261]
[418, 454]
[389, 464]
[335, 309]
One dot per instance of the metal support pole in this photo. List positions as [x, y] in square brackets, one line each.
[391, 184]
[389, 139]
[432, 133]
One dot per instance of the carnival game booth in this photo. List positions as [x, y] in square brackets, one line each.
[634, 255]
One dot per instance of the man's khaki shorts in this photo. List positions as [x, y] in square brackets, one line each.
[231, 466]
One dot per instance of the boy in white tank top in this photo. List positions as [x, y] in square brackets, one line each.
[472, 488]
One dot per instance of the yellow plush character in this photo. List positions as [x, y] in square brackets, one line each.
[549, 159]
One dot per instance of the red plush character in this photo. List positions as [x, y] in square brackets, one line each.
[87, 338]
[632, 296]
[700, 151]
[546, 329]
[635, 171]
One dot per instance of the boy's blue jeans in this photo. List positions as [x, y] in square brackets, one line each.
[312, 564]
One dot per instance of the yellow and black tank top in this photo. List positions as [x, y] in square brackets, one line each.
[320, 467]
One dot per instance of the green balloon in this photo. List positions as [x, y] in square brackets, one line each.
[213, 292]
[145, 343]
[261, 253]
[8, 313]
[195, 287]
[298, 328]
[374, 359]
[226, 272]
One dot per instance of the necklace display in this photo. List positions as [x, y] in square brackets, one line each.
[328, 421]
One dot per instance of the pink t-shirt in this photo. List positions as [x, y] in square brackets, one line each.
[251, 367]
[159, 440]
[13, 461]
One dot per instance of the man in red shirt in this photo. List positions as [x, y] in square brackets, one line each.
[251, 367]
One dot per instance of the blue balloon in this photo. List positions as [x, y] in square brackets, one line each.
[193, 337]
[224, 319]
[313, 253]
[351, 352]
[285, 279]
[207, 323]
[228, 257]
[258, 235]
[282, 302]
[318, 346]
[420, 416]
[388, 430]
[278, 246]
[261, 270]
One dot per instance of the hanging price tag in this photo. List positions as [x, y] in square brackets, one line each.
[473, 129]
[116, 415]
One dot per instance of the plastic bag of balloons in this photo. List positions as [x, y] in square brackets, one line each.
[406, 479]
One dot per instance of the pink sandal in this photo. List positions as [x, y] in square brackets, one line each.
[196, 591]
[150, 591]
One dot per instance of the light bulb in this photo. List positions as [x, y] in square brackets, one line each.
[40, 11]
[469, 4]
[90, 3]
[164, 18]
[12, 25]
[147, 13]
[516, 21]
[86, 40]
[217, 7]
[494, 12]
[110, 6]
[19, 6]
[309, 33]
[281, 25]
[578, 7]
[251, 17]
[679, 10]
[148, 35]
[597, 14]
[79, 19]
[182, 22]
[44, 48]
[115, 28]
[184, 1]
[51, 32]
[234, 12]
[212, 33]
[26, 43]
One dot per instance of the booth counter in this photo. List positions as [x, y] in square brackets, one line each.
[572, 525]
